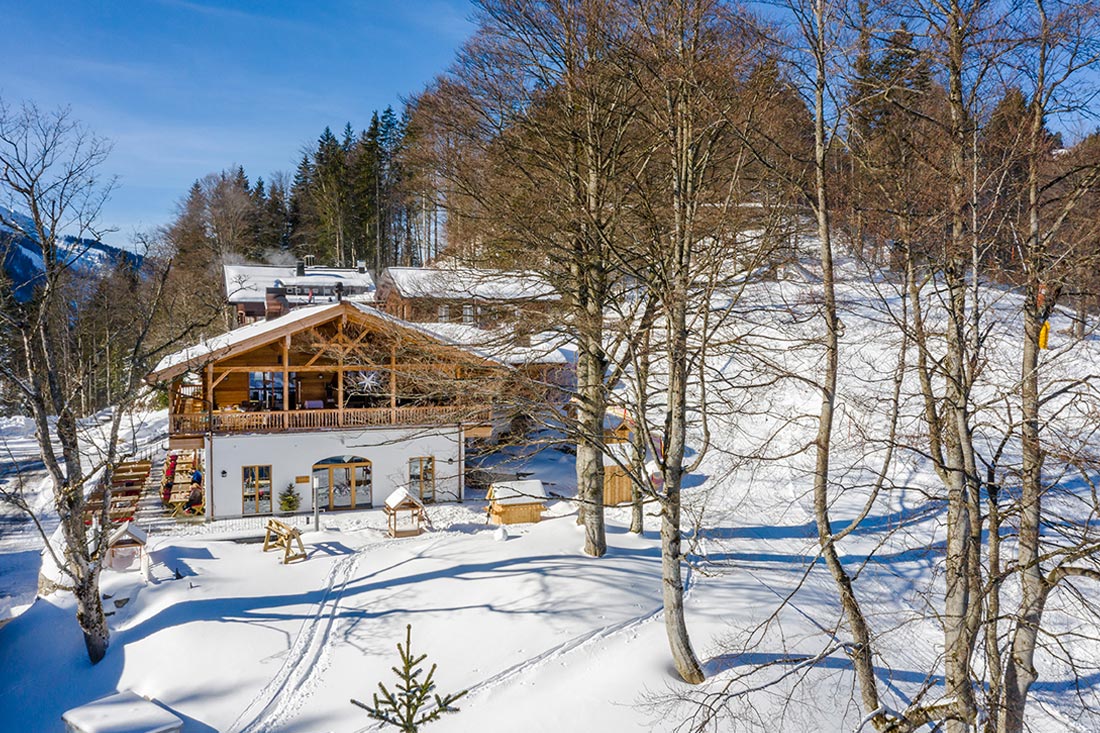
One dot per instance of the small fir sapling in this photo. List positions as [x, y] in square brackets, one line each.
[413, 703]
[289, 499]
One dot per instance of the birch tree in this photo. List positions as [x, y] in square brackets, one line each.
[50, 168]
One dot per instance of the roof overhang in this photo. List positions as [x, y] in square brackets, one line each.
[260, 334]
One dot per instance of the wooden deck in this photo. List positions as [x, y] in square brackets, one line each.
[198, 423]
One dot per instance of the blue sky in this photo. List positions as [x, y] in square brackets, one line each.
[186, 87]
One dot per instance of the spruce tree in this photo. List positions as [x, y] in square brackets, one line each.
[413, 702]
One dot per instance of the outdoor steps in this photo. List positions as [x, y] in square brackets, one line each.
[151, 514]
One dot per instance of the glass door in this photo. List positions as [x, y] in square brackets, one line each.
[321, 484]
[363, 485]
[341, 481]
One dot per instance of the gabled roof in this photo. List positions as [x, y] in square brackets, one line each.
[262, 333]
[544, 348]
[401, 496]
[128, 530]
[457, 283]
[249, 283]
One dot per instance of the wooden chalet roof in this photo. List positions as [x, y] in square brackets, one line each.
[261, 333]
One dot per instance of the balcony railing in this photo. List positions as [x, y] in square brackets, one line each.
[279, 421]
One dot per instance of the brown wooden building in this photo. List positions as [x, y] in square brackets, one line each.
[473, 297]
[339, 398]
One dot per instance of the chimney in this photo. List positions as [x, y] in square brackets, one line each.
[362, 264]
[300, 268]
[275, 303]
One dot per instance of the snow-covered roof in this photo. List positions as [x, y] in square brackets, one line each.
[249, 283]
[546, 348]
[524, 491]
[210, 348]
[623, 451]
[467, 282]
[261, 332]
[401, 496]
[123, 712]
[128, 530]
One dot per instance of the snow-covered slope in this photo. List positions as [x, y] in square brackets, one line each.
[22, 253]
[548, 640]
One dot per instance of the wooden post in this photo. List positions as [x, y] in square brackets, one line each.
[340, 374]
[393, 383]
[286, 378]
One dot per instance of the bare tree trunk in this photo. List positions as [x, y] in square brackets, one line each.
[861, 650]
[672, 591]
[1020, 671]
[591, 409]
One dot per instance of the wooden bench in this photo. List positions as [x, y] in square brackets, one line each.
[282, 536]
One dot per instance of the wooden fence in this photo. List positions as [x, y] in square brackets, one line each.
[279, 421]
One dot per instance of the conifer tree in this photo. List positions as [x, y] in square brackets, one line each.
[413, 702]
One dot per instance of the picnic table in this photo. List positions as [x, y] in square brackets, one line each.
[177, 500]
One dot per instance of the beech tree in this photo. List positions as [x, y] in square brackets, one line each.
[540, 117]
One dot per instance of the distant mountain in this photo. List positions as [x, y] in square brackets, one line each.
[22, 254]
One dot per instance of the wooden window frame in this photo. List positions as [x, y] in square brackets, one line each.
[418, 483]
[256, 472]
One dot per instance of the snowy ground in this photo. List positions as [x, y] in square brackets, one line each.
[545, 638]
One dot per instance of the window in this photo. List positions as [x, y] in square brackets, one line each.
[265, 390]
[443, 313]
[256, 490]
[468, 314]
[422, 477]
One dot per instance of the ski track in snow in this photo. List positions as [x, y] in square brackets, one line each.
[306, 659]
[561, 650]
[577, 643]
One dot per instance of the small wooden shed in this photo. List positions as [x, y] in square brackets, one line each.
[405, 514]
[516, 502]
[617, 486]
[126, 547]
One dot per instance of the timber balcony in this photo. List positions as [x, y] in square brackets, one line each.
[276, 421]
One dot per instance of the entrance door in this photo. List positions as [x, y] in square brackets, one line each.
[343, 482]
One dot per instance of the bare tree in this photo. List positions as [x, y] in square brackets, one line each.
[539, 115]
[49, 167]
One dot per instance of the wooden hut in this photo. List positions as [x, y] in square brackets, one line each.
[617, 486]
[404, 513]
[516, 502]
[125, 546]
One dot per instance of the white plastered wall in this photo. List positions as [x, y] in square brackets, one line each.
[292, 456]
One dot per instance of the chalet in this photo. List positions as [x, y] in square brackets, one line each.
[342, 402]
[257, 292]
[472, 297]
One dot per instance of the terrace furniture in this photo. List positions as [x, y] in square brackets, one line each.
[177, 500]
[281, 536]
